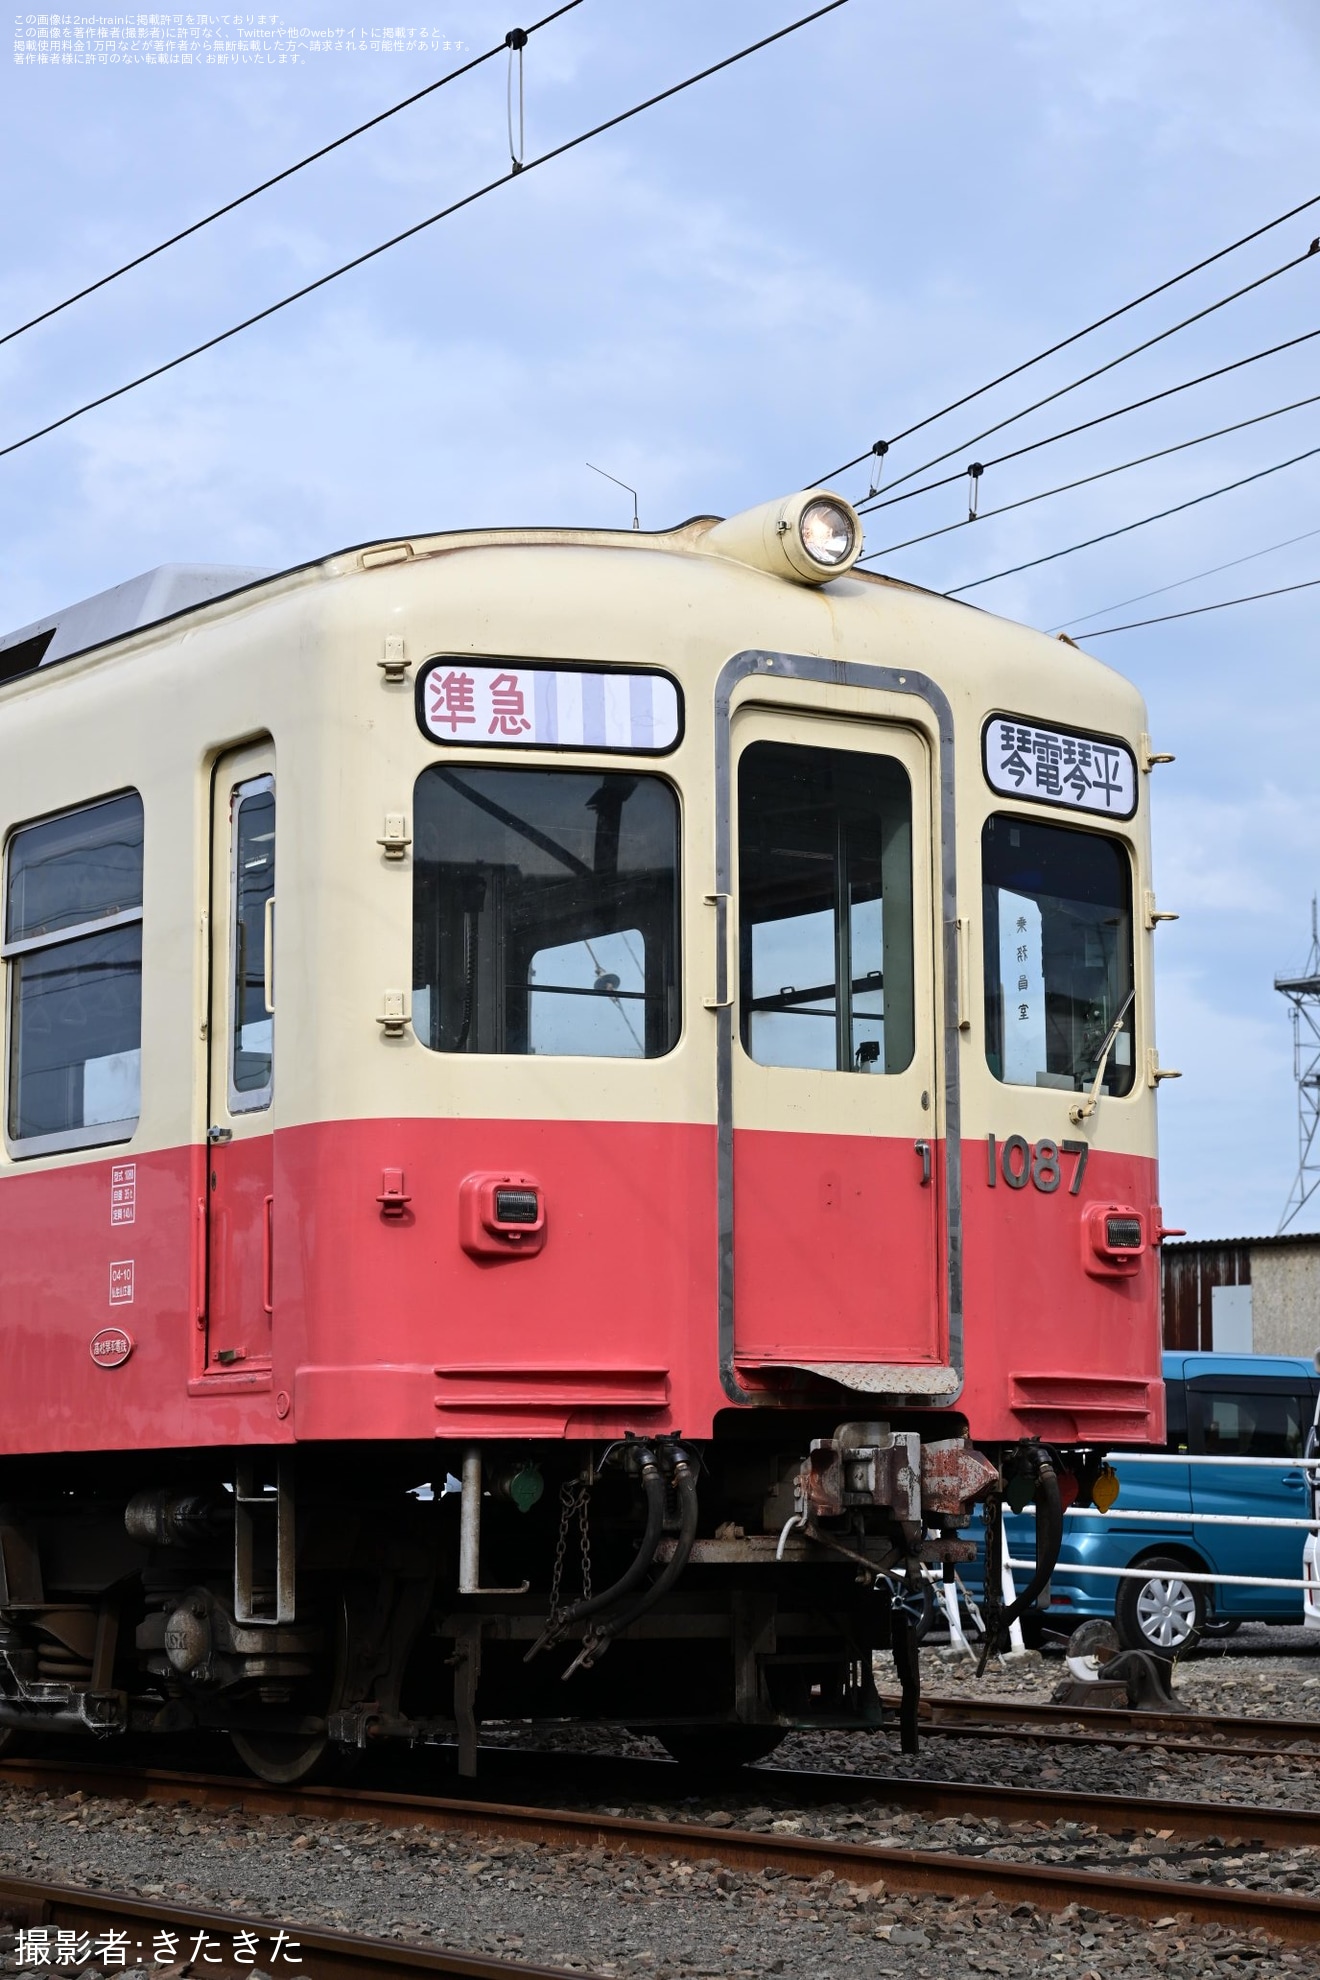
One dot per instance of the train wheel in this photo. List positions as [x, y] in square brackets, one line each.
[284, 1759]
[1163, 1612]
[717, 1749]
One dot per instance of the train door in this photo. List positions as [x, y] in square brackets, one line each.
[837, 1178]
[241, 1034]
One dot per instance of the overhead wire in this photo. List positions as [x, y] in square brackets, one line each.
[420, 226]
[1101, 474]
[277, 178]
[1197, 316]
[1194, 611]
[1125, 528]
[1139, 597]
[1077, 335]
[1084, 426]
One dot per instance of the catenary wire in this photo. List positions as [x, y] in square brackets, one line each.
[1194, 611]
[1101, 474]
[408, 233]
[1140, 523]
[1101, 419]
[230, 206]
[1077, 335]
[1270, 275]
[1160, 589]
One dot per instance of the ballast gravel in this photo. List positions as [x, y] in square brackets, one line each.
[595, 1910]
[613, 1913]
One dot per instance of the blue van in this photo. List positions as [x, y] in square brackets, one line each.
[1233, 1407]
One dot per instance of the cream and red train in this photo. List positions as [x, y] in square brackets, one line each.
[654, 1031]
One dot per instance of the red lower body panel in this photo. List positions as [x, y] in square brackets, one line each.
[383, 1327]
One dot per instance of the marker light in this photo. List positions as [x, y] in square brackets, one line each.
[828, 532]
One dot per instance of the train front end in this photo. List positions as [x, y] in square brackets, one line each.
[663, 1129]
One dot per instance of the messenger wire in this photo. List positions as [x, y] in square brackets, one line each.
[420, 226]
[1194, 611]
[1160, 589]
[1067, 432]
[1161, 336]
[1076, 336]
[323, 151]
[1124, 529]
[1101, 474]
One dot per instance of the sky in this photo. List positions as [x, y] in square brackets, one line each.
[719, 302]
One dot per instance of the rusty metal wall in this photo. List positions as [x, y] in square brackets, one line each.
[1190, 1271]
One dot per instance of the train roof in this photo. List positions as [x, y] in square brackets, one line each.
[140, 601]
[174, 591]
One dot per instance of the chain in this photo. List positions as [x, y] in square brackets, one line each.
[584, 1495]
[574, 1493]
[567, 1496]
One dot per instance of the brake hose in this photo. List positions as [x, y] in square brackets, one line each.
[596, 1640]
[653, 1485]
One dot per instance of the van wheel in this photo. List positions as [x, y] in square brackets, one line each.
[1162, 1613]
[1219, 1626]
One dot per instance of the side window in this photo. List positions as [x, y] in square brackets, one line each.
[73, 944]
[545, 913]
[1058, 955]
[252, 918]
[1268, 1423]
[825, 909]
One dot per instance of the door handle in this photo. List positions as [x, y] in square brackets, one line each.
[723, 998]
[922, 1148]
[268, 957]
[268, 1256]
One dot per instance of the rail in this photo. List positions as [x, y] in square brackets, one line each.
[1052, 1886]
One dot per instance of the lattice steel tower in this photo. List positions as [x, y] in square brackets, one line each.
[1303, 994]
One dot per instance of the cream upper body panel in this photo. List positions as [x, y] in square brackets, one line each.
[296, 659]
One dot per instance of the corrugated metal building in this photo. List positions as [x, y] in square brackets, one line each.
[1250, 1295]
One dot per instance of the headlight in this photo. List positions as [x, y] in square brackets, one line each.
[827, 531]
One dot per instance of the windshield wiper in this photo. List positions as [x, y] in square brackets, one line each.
[1086, 1107]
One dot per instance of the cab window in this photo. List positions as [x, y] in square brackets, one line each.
[73, 945]
[1058, 955]
[545, 913]
[825, 909]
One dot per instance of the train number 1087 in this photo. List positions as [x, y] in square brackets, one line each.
[1020, 1163]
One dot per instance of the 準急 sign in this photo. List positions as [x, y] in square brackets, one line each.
[548, 707]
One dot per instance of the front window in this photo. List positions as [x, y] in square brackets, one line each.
[825, 905]
[1058, 955]
[73, 941]
[545, 913]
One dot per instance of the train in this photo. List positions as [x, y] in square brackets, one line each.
[575, 1099]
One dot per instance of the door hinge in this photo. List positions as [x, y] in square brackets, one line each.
[393, 1016]
[396, 840]
[394, 664]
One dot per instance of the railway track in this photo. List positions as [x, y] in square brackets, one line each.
[1053, 1887]
[1069, 1725]
[265, 1945]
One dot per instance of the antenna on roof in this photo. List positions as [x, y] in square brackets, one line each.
[1303, 994]
[618, 484]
